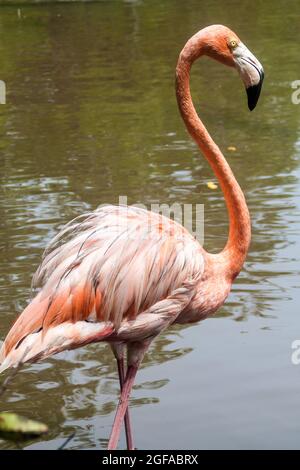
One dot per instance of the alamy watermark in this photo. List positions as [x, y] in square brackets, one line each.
[187, 217]
[2, 92]
[295, 357]
[296, 94]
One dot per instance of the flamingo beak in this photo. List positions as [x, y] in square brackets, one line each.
[251, 72]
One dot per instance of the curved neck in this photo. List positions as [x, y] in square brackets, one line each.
[233, 255]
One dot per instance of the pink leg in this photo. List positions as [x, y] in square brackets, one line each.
[122, 407]
[121, 371]
[136, 352]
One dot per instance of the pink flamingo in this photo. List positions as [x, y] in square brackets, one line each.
[123, 274]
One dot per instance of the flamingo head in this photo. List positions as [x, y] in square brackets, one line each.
[224, 45]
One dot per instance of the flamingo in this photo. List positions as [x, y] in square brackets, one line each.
[123, 274]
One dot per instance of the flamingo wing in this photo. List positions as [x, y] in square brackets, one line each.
[102, 276]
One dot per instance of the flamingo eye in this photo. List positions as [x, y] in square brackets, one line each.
[233, 43]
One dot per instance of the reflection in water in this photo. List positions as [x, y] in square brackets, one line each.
[91, 115]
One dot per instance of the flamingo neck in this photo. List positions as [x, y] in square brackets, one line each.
[233, 255]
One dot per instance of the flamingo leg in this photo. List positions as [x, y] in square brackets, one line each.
[121, 371]
[122, 407]
[136, 352]
[118, 349]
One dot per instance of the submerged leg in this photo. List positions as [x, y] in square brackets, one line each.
[119, 350]
[136, 352]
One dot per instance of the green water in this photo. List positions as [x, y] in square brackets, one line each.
[90, 115]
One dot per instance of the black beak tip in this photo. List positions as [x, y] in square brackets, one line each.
[253, 93]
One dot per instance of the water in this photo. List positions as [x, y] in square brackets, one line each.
[91, 115]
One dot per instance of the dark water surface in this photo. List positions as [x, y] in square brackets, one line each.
[90, 115]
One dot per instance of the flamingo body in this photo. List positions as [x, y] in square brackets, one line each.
[102, 278]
